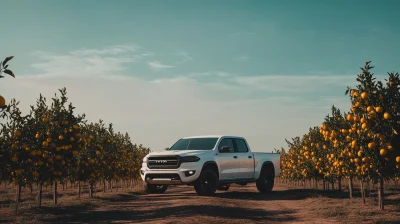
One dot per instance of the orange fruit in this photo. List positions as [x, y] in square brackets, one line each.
[371, 145]
[386, 115]
[2, 101]
[364, 95]
[17, 133]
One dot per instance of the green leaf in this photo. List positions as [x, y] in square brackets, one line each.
[9, 72]
[7, 59]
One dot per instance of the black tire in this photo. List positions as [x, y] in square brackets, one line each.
[155, 188]
[207, 183]
[223, 187]
[265, 182]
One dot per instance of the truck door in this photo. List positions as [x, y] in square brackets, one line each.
[246, 159]
[229, 163]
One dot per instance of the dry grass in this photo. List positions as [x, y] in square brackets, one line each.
[334, 204]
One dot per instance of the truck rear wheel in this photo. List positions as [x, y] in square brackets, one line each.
[155, 188]
[265, 182]
[207, 183]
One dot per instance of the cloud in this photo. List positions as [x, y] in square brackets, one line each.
[185, 57]
[112, 50]
[88, 62]
[158, 112]
[158, 66]
[292, 83]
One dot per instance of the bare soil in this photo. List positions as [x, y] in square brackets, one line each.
[180, 204]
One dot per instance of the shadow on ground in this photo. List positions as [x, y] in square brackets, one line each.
[292, 194]
[176, 212]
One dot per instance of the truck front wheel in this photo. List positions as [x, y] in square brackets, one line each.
[207, 183]
[155, 188]
[265, 182]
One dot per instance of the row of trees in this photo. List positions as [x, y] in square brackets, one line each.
[52, 145]
[362, 143]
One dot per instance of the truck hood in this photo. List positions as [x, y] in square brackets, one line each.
[180, 153]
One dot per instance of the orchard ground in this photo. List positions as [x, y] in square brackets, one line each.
[180, 204]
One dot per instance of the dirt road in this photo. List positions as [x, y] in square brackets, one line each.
[240, 204]
[180, 204]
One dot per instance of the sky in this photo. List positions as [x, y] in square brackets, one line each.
[162, 70]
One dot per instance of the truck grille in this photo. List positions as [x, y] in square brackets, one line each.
[173, 176]
[163, 162]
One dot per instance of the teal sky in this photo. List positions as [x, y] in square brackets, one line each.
[278, 37]
[285, 39]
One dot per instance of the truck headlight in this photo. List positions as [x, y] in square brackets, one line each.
[188, 159]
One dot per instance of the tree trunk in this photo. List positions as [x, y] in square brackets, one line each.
[39, 196]
[380, 193]
[79, 189]
[362, 191]
[17, 197]
[55, 193]
[31, 188]
[333, 185]
[351, 187]
[91, 189]
[324, 185]
[104, 186]
[340, 184]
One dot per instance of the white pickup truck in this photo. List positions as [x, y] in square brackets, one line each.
[209, 163]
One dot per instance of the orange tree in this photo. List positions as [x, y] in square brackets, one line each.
[15, 148]
[292, 163]
[336, 130]
[317, 154]
[4, 67]
[376, 107]
[3, 150]
[139, 153]
[363, 143]
[57, 140]
[307, 152]
[90, 165]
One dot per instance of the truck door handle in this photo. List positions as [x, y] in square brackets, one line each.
[250, 157]
[235, 157]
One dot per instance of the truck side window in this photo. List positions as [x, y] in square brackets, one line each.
[241, 145]
[226, 142]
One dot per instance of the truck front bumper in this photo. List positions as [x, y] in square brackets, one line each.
[185, 174]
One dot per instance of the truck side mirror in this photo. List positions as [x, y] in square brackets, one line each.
[225, 149]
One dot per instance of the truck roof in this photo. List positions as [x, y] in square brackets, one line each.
[213, 136]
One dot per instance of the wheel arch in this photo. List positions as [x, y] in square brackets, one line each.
[268, 165]
[211, 165]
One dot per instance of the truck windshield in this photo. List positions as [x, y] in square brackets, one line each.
[194, 144]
